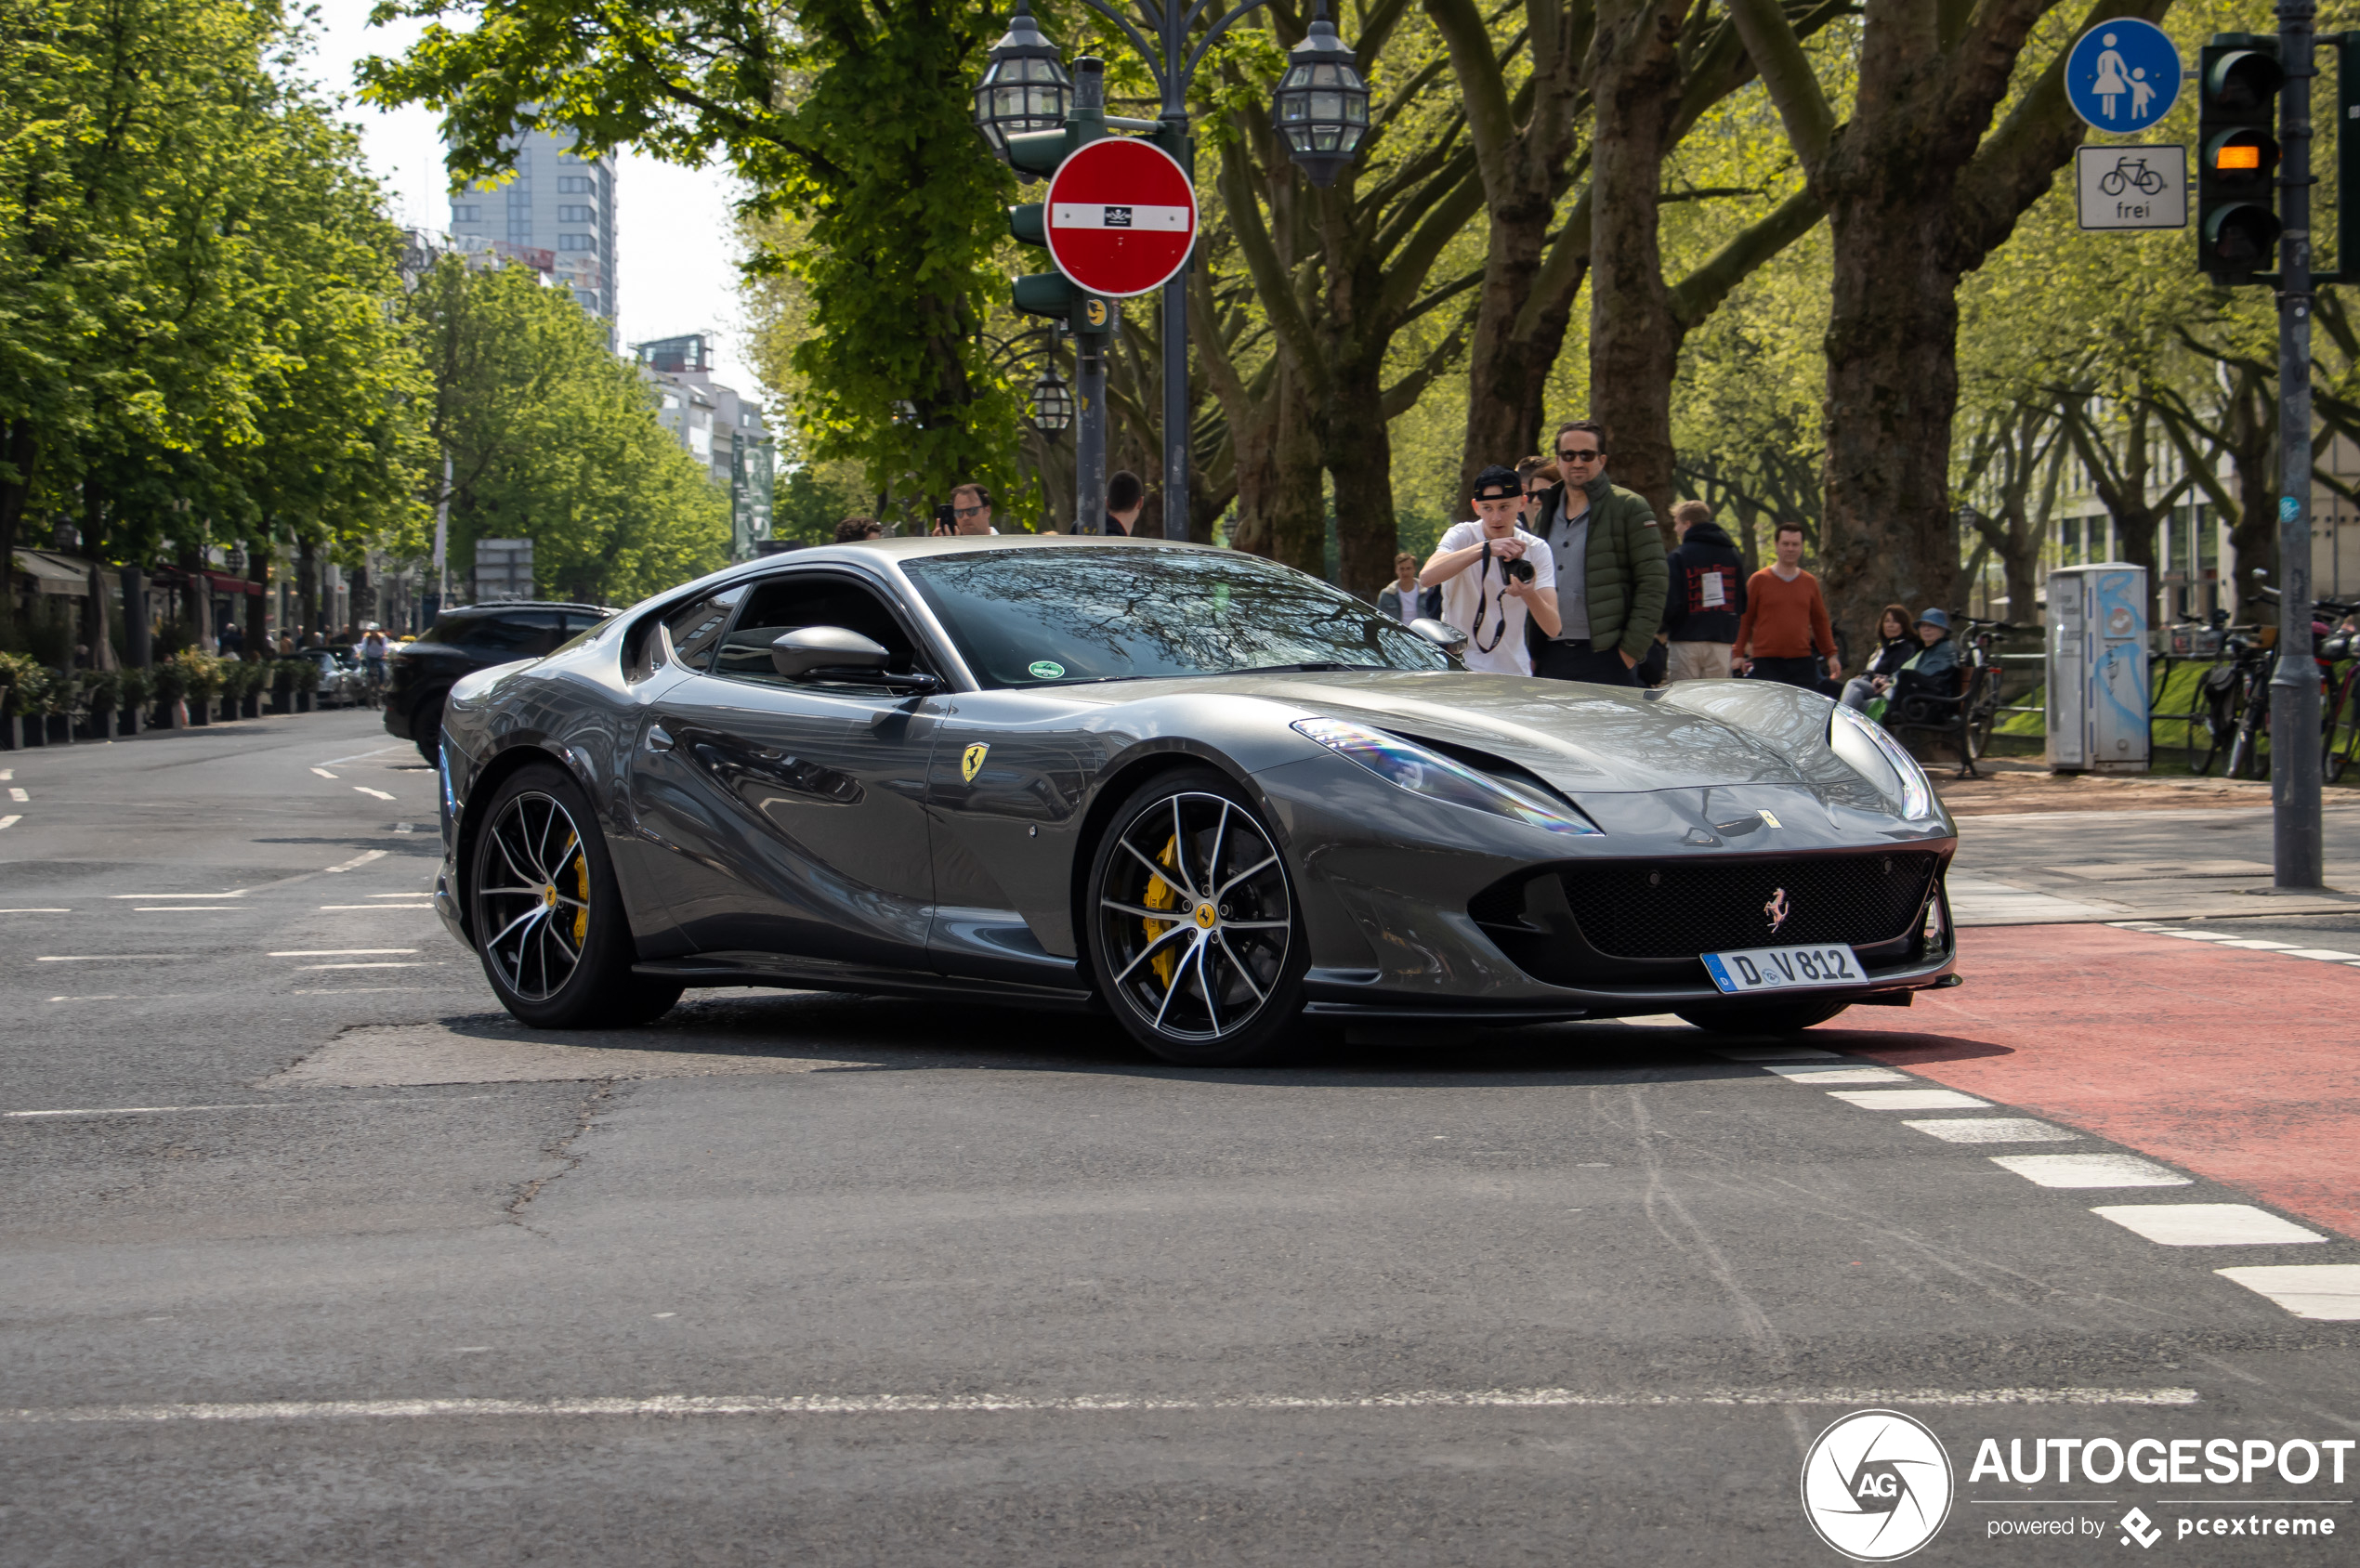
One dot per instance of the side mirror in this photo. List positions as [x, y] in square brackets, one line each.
[836, 653]
[1441, 634]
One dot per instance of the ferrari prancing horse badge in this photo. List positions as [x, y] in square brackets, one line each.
[972, 762]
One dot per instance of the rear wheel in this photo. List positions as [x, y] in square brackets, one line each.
[1983, 711]
[1193, 935]
[1762, 1017]
[547, 915]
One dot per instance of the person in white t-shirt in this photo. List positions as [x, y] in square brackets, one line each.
[1480, 596]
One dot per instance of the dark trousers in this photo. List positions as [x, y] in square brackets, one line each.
[1580, 661]
[1806, 672]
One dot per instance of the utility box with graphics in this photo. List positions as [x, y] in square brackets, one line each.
[2097, 643]
[504, 569]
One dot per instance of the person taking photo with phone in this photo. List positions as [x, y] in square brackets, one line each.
[1495, 578]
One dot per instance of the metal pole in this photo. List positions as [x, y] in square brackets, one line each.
[1089, 433]
[2294, 689]
[1176, 292]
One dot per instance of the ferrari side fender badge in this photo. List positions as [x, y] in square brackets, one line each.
[1770, 818]
[971, 763]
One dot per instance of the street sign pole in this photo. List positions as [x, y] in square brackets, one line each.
[1176, 292]
[1088, 343]
[2297, 839]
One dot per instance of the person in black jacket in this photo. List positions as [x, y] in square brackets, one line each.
[1896, 643]
[1708, 597]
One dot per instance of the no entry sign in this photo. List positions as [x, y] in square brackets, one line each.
[1121, 216]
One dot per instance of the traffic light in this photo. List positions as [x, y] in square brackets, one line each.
[1052, 293]
[2237, 81]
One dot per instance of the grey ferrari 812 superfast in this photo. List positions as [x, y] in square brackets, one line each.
[1210, 795]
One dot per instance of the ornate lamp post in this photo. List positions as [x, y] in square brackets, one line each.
[1320, 108]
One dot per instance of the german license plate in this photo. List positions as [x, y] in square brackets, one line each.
[1784, 969]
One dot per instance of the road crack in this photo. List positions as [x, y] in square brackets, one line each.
[562, 1150]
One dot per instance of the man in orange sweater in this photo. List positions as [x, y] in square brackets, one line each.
[1786, 620]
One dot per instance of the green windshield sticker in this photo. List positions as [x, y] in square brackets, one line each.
[1045, 669]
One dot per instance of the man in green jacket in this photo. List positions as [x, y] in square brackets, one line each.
[1612, 571]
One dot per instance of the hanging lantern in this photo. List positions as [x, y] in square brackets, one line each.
[1024, 88]
[1052, 404]
[1322, 107]
[233, 561]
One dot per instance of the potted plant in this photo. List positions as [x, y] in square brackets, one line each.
[169, 682]
[134, 689]
[15, 669]
[204, 673]
[307, 681]
[234, 682]
[282, 685]
[102, 695]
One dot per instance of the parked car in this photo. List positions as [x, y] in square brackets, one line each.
[341, 681]
[1203, 790]
[463, 641]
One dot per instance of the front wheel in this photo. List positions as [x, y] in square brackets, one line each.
[1194, 939]
[1761, 1018]
[548, 919]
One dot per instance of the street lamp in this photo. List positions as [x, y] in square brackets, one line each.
[1026, 87]
[1322, 107]
[1052, 404]
[1321, 110]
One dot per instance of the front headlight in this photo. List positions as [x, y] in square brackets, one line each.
[1430, 774]
[1883, 761]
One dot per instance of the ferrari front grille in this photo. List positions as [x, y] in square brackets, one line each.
[1678, 908]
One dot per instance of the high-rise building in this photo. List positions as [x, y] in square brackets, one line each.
[719, 428]
[556, 213]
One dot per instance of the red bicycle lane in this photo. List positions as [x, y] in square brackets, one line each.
[2241, 1066]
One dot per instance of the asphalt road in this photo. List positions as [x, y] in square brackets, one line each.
[309, 1257]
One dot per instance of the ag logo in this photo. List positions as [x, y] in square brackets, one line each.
[1877, 1485]
[971, 761]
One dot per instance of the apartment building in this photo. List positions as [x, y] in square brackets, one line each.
[719, 427]
[557, 214]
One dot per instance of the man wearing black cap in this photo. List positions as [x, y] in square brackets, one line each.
[1494, 578]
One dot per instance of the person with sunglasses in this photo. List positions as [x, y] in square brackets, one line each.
[971, 510]
[1612, 571]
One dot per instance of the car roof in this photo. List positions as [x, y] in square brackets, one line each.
[498, 605]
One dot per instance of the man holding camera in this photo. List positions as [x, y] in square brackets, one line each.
[1495, 576]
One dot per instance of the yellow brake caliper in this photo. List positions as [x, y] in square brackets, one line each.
[1161, 895]
[582, 891]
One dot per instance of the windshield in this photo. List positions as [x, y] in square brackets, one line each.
[1032, 617]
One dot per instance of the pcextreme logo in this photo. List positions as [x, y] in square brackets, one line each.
[1877, 1485]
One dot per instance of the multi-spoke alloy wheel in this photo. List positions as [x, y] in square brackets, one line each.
[538, 891]
[546, 912]
[1195, 925]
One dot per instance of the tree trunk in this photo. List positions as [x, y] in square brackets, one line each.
[2253, 537]
[137, 644]
[1282, 512]
[1634, 337]
[1520, 329]
[21, 450]
[307, 588]
[1892, 387]
[1359, 453]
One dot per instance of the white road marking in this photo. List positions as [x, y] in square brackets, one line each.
[357, 861]
[1839, 1075]
[323, 773]
[1996, 1130]
[397, 895]
[248, 1106]
[370, 966]
[357, 756]
[19, 795]
[404, 828]
[189, 909]
[1909, 1100]
[103, 958]
[2257, 945]
[336, 952]
[350, 991]
[110, 996]
[113, 996]
[234, 892]
[2323, 1293]
[11, 821]
[2206, 1224]
[36, 911]
[7, 773]
[2325, 955]
[366, 791]
[916, 1404]
[2090, 1170]
[1778, 1054]
[426, 907]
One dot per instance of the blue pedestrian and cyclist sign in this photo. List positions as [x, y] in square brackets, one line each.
[2123, 75]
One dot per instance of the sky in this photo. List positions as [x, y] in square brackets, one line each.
[677, 269]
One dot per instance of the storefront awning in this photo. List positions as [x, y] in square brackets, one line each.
[55, 573]
[225, 583]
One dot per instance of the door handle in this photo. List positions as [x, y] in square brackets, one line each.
[659, 739]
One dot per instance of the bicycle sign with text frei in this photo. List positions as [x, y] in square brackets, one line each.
[2123, 75]
[2132, 187]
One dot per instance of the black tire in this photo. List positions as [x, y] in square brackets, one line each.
[1192, 837]
[1761, 1018]
[537, 855]
[1983, 711]
[426, 729]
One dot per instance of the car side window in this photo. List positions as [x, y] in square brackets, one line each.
[518, 634]
[696, 629]
[789, 603]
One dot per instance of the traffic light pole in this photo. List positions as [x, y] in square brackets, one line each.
[2297, 836]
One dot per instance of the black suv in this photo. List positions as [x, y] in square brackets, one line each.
[461, 641]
